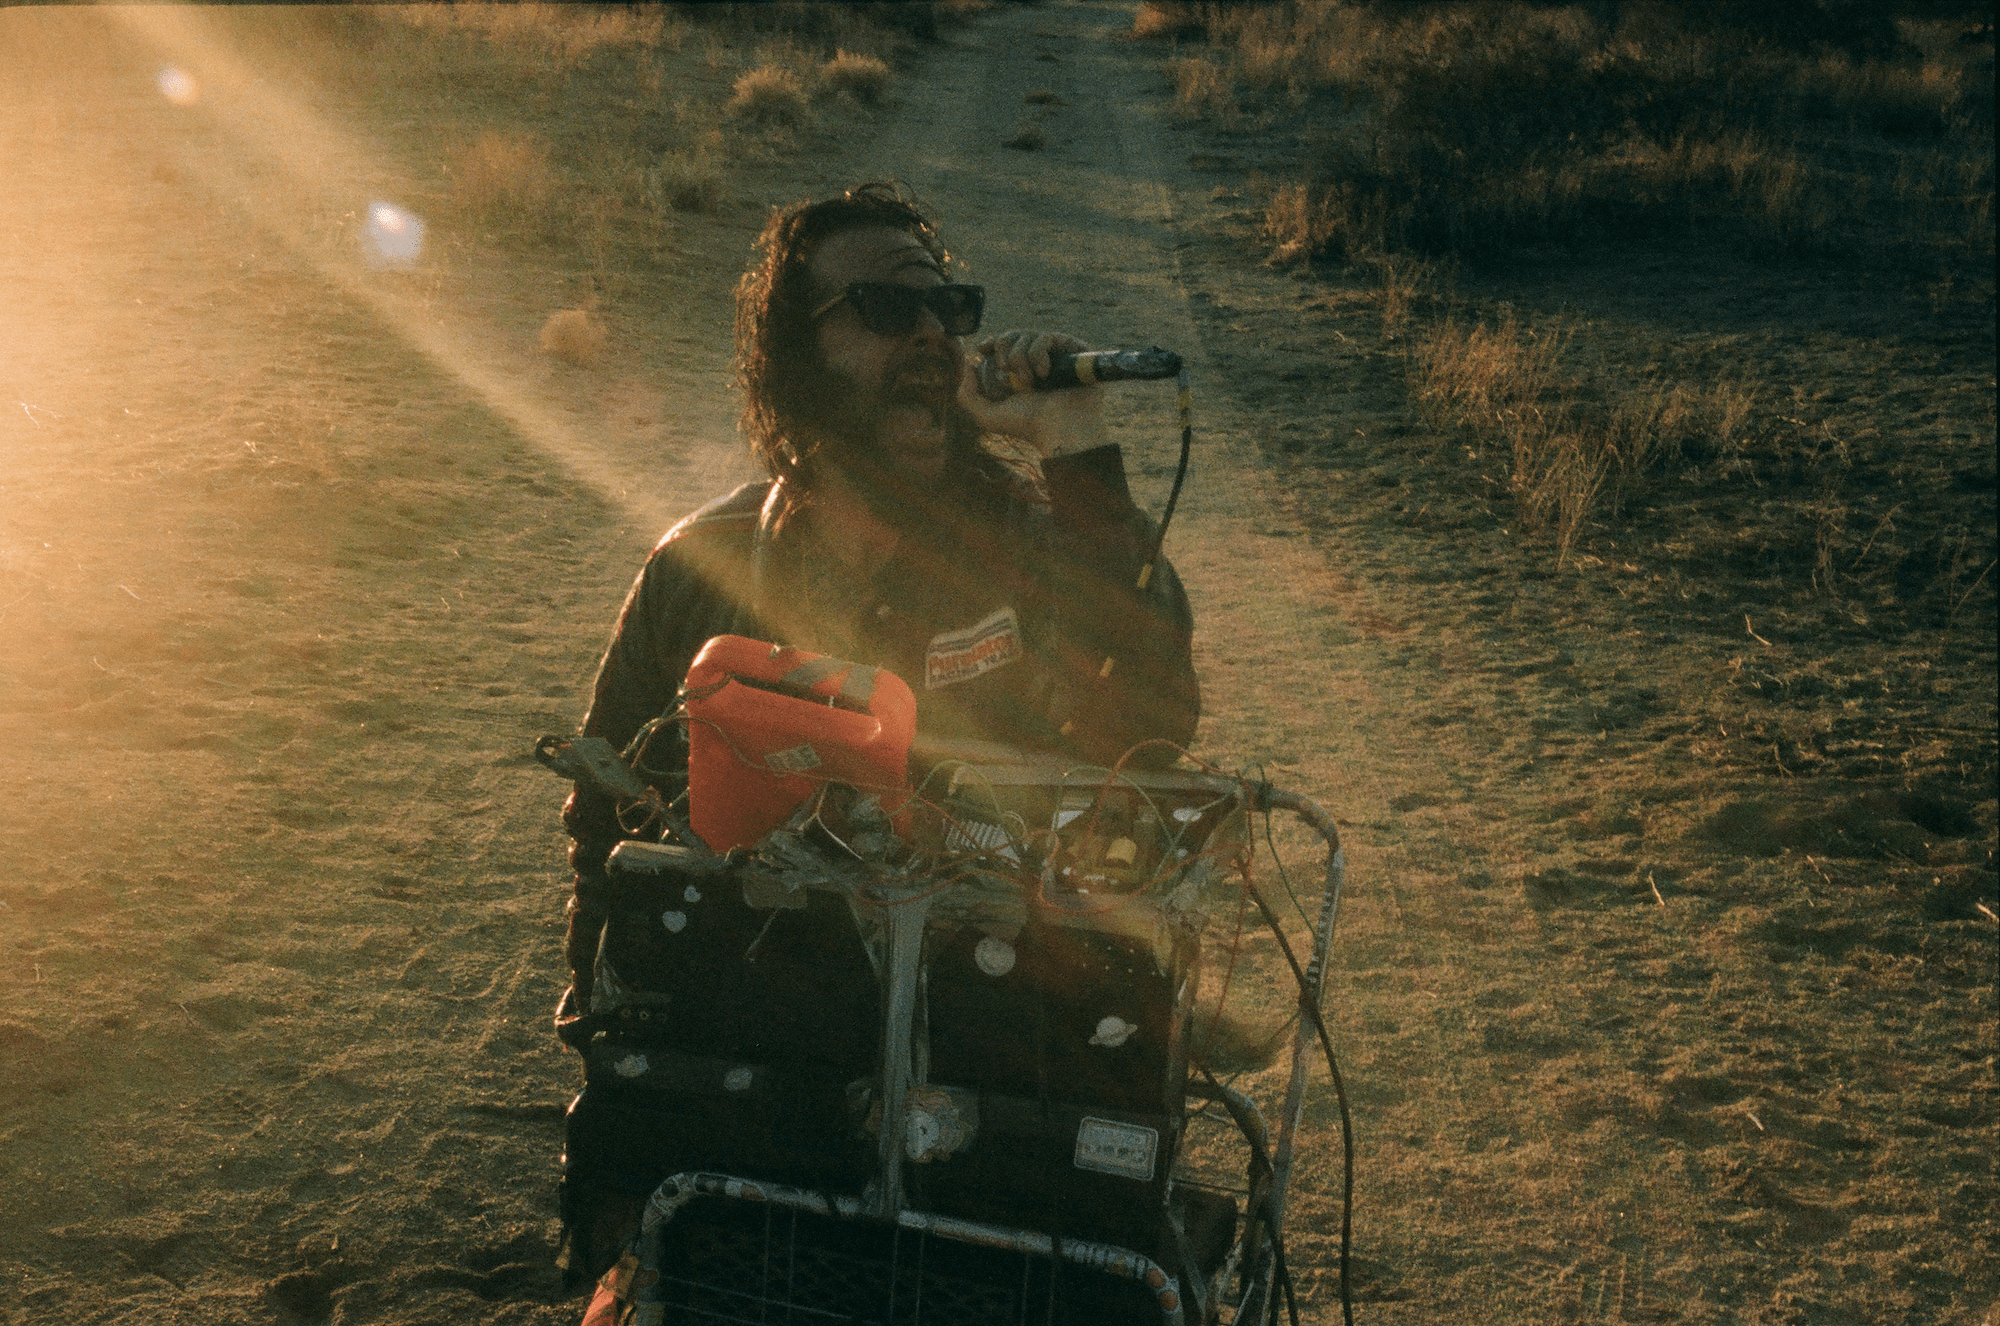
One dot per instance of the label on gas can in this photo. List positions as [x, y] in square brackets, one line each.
[1125, 1149]
[798, 759]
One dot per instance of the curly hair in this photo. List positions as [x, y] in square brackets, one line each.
[777, 363]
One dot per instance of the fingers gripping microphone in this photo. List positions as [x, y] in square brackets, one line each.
[1081, 370]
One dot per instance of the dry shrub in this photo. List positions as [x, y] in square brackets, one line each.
[559, 37]
[1028, 137]
[1501, 386]
[1202, 87]
[862, 77]
[1405, 282]
[1504, 388]
[769, 94]
[1478, 377]
[1302, 223]
[574, 336]
[1923, 100]
[1170, 19]
[686, 180]
[1478, 130]
[505, 175]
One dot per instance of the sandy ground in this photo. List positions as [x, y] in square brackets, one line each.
[297, 557]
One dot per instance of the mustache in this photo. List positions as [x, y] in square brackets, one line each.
[925, 364]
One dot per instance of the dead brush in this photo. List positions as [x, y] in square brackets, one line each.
[770, 94]
[505, 176]
[686, 179]
[546, 42]
[1406, 285]
[574, 336]
[1504, 389]
[1171, 19]
[1499, 387]
[865, 78]
[1481, 130]
[1655, 424]
[1202, 88]
[1302, 223]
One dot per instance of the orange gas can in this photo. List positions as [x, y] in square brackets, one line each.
[769, 724]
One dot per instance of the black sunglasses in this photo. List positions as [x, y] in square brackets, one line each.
[888, 309]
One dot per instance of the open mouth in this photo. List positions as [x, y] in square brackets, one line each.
[927, 380]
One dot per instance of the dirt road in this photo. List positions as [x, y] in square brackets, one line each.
[297, 557]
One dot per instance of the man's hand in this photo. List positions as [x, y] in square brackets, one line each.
[1054, 423]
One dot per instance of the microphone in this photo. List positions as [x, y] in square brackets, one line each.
[1081, 370]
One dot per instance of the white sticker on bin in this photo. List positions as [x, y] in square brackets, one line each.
[797, 759]
[1110, 1147]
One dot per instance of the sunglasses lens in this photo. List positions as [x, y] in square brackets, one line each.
[886, 310]
[957, 306]
[894, 310]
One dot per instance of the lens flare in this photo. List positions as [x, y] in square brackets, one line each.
[394, 236]
[178, 87]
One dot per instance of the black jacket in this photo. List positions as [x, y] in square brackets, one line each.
[998, 608]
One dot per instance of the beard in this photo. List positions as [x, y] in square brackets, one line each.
[896, 417]
[894, 437]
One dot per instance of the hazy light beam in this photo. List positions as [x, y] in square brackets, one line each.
[325, 172]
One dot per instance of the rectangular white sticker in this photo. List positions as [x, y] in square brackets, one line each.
[796, 760]
[956, 656]
[1116, 1148]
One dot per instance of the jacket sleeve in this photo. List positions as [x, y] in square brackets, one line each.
[671, 610]
[1124, 656]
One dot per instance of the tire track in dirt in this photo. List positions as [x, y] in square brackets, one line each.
[1082, 236]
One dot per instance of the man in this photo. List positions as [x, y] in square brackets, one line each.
[988, 553]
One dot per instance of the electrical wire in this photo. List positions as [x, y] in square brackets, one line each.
[1283, 878]
[1263, 784]
[1310, 1007]
[1185, 400]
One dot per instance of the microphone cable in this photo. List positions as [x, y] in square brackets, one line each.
[1185, 400]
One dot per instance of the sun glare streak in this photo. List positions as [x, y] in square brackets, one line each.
[324, 173]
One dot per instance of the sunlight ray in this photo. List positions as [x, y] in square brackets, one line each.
[321, 170]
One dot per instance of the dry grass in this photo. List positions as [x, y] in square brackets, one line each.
[1504, 391]
[686, 180]
[770, 94]
[1042, 96]
[865, 78]
[574, 336]
[504, 175]
[1478, 130]
[1406, 284]
[1303, 222]
[1158, 19]
[1202, 88]
[552, 38]
[1486, 134]
[741, 91]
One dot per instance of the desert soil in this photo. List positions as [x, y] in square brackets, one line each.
[297, 558]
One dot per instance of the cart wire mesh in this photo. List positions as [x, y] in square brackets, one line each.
[735, 1262]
